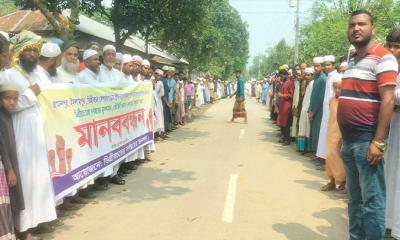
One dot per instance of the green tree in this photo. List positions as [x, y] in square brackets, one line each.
[7, 6]
[63, 26]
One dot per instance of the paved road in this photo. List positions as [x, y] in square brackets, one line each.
[216, 181]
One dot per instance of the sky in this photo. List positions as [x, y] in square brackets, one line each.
[270, 21]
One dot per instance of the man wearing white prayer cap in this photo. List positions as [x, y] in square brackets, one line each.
[90, 75]
[137, 65]
[118, 61]
[330, 70]
[316, 103]
[127, 65]
[49, 60]
[145, 70]
[303, 135]
[107, 71]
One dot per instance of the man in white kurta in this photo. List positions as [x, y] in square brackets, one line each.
[392, 154]
[329, 68]
[30, 139]
[159, 91]
[68, 71]
[107, 73]
[90, 75]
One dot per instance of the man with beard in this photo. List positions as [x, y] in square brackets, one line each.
[107, 71]
[136, 68]
[364, 112]
[126, 69]
[90, 75]
[49, 60]
[118, 61]
[145, 70]
[68, 71]
[28, 124]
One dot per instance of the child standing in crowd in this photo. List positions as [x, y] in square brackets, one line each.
[10, 185]
[334, 169]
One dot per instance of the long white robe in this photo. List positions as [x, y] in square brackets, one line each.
[159, 90]
[107, 75]
[329, 93]
[295, 104]
[87, 76]
[304, 122]
[392, 170]
[36, 182]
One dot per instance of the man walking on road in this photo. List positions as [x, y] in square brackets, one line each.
[239, 109]
[364, 113]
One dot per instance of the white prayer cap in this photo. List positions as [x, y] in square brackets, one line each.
[5, 35]
[109, 48]
[50, 50]
[137, 58]
[329, 58]
[165, 68]
[290, 71]
[89, 53]
[318, 60]
[146, 62]
[159, 72]
[337, 78]
[344, 64]
[126, 58]
[8, 84]
[309, 70]
[172, 69]
[120, 56]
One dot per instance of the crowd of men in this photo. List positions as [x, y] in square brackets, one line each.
[27, 63]
[345, 117]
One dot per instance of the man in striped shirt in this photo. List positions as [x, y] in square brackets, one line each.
[364, 113]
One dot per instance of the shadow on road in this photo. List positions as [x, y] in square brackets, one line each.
[149, 184]
[298, 231]
[186, 134]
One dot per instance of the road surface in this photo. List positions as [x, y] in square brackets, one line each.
[216, 181]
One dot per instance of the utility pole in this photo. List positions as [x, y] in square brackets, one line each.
[296, 3]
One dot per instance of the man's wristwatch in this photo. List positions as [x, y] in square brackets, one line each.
[381, 146]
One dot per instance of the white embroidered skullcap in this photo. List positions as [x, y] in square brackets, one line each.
[126, 58]
[109, 47]
[5, 35]
[8, 84]
[159, 72]
[318, 60]
[337, 78]
[165, 68]
[309, 70]
[119, 56]
[329, 58]
[146, 62]
[89, 53]
[50, 50]
[137, 58]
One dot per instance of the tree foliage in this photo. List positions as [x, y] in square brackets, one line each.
[326, 31]
[52, 10]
